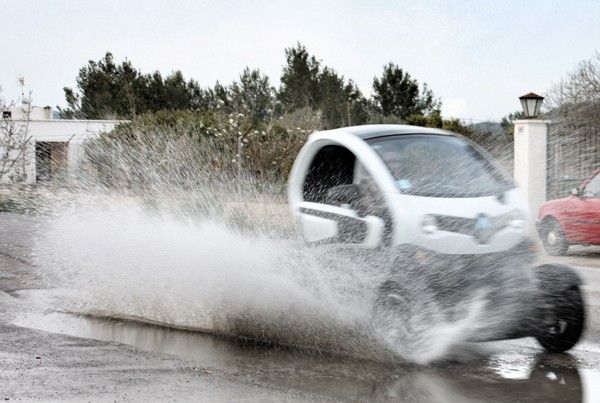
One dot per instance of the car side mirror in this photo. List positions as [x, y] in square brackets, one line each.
[343, 194]
[575, 192]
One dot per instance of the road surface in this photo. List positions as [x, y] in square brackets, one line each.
[47, 355]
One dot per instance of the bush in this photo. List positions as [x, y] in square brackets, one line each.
[184, 147]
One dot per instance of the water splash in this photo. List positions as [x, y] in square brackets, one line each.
[183, 251]
[119, 260]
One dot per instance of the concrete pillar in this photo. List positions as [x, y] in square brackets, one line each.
[530, 163]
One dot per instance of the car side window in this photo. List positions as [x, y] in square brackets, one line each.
[592, 189]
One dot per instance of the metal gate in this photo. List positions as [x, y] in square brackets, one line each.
[573, 149]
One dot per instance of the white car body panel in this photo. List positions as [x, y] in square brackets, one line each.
[412, 209]
[407, 211]
[317, 229]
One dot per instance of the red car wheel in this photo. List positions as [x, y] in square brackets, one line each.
[553, 238]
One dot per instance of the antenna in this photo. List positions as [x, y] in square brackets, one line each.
[24, 100]
[22, 84]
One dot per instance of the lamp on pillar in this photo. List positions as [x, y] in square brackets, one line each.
[531, 104]
[530, 154]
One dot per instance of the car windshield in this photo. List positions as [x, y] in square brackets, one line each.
[439, 166]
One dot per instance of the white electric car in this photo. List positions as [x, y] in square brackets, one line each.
[437, 201]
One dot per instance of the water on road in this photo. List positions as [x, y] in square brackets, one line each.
[109, 281]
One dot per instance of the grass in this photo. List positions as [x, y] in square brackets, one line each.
[20, 199]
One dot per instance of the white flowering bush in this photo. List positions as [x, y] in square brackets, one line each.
[190, 146]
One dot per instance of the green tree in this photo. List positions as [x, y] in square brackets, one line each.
[333, 99]
[360, 107]
[434, 119]
[218, 96]
[396, 93]
[106, 89]
[299, 80]
[253, 96]
[507, 122]
[341, 102]
[307, 83]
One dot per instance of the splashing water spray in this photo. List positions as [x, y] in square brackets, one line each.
[372, 264]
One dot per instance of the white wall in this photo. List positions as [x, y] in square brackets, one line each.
[19, 112]
[73, 132]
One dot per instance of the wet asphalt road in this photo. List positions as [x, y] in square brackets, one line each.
[53, 356]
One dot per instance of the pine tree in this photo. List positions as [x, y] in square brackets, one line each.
[299, 80]
[398, 94]
[253, 96]
[105, 89]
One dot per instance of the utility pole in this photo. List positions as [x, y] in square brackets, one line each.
[348, 111]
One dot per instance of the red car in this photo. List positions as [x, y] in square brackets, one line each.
[574, 220]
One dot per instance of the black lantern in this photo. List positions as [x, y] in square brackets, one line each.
[531, 104]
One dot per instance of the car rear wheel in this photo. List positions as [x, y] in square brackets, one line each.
[553, 238]
[563, 323]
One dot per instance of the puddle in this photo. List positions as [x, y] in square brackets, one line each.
[504, 376]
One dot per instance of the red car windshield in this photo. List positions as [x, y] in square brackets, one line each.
[592, 188]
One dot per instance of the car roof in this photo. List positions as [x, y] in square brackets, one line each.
[366, 132]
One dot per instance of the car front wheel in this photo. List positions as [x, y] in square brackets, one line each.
[563, 322]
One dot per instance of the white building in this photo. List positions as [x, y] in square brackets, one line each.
[56, 145]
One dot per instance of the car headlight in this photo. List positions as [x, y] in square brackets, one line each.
[429, 224]
[515, 219]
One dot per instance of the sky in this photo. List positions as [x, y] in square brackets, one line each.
[477, 56]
